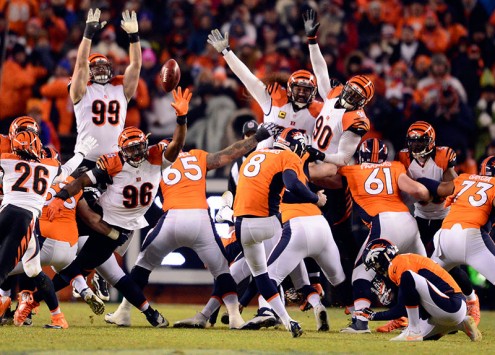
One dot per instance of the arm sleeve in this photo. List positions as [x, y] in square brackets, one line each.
[296, 187]
[69, 167]
[399, 310]
[254, 85]
[347, 147]
[320, 68]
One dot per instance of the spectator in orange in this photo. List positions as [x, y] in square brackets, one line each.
[414, 16]
[18, 13]
[58, 106]
[433, 35]
[48, 134]
[18, 78]
[455, 30]
[57, 31]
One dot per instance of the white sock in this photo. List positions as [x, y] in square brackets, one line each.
[55, 311]
[413, 317]
[262, 303]
[210, 307]
[125, 305]
[232, 304]
[314, 299]
[79, 283]
[278, 307]
[144, 307]
[360, 304]
[471, 297]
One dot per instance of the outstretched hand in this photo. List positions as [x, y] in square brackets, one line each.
[181, 101]
[310, 24]
[216, 39]
[93, 23]
[129, 22]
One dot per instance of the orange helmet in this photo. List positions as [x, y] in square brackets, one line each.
[133, 144]
[291, 139]
[357, 92]
[27, 145]
[100, 68]
[420, 139]
[23, 123]
[487, 166]
[373, 151]
[307, 83]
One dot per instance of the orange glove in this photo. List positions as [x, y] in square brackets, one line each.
[55, 208]
[181, 101]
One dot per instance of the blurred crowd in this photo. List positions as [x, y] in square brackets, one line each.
[430, 60]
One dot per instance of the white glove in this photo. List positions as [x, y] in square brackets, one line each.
[129, 22]
[86, 145]
[225, 214]
[216, 39]
[93, 24]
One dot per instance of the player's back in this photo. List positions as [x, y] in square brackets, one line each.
[425, 267]
[101, 113]
[184, 182]
[471, 201]
[260, 182]
[26, 183]
[333, 122]
[375, 187]
[64, 227]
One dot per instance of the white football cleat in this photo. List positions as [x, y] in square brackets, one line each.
[408, 335]
[121, 317]
[228, 199]
[198, 321]
[321, 318]
[96, 305]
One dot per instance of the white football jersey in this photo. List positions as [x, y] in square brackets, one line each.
[101, 113]
[130, 191]
[283, 114]
[442, 159]
[26, 183]
[332, 122]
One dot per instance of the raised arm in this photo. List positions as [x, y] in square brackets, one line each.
[254, 85]
[239, 148]
[129, 24]
[82, 149]
[181, 106]
[80, 77]
[317, 61]
[347, 147]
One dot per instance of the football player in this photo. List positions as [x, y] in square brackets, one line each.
[186, 222]
[434, 303]
[376, 186]
[132, 176]
[27, 176]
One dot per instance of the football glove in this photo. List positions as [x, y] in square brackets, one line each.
[93, 24]
[384, 293]
[315, 154]
[267, 130]
[84, 146]
[310, 24]
[181, 101]
[220, 43]
[129, 22]
[225, 214]
[366, 313]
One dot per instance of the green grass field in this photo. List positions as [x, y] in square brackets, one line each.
[89, 333]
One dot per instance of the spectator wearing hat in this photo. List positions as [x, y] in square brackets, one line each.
[433, 35]
[58, 107]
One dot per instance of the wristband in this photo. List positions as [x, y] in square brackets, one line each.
[63, 194]
[113, 234]
[225, 50]
[182, 120]
[312, 40]
[134, 37]
[431, 185]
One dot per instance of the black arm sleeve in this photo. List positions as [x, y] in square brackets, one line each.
[296, 187]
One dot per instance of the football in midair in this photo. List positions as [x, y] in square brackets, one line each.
[170, 75]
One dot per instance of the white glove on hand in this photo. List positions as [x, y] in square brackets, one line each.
[129, 22]
[86, 145]
[216, 39]
[93, 24]
[225, 214]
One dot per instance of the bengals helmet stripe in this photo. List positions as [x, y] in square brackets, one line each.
[365, 84]
[27, 145]
[23, 123]
[302, 78]
[93, 57]
[420, 139]
[133, 145]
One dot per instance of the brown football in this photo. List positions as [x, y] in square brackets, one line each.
[170, 75]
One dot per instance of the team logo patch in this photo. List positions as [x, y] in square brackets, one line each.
[138, 179]
[282, 114]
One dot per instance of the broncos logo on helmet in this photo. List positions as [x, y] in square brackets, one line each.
[291, 139]
[133, 144]
[23, 123]
[100, 68]
[372, 151]
[357, 92]
[487, 166]
[420, 139]
[306, 87]
[27, 145]
[378, 254]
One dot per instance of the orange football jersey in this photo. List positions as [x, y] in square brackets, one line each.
[260, 181]
[374, 187]
[64, 227]
[184, 182]
[292, 210]
[5, 144]
[423, 266]
[472, 201]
